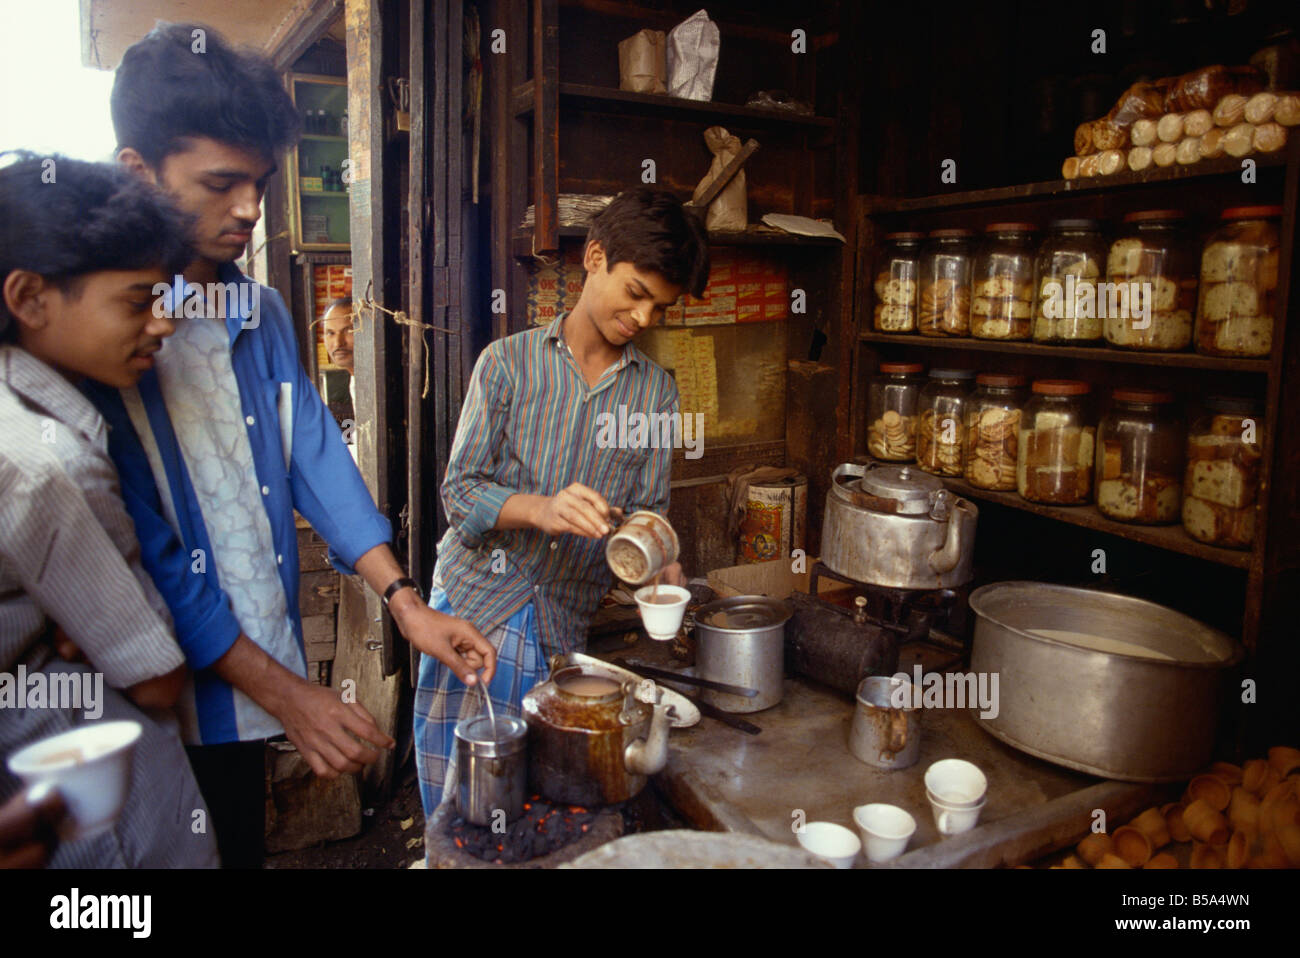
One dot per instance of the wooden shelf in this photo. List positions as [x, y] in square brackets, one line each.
[325, 137]
[1172, 538]
[522, 238]
[323, 192]
[1094, 353]
[881, 205]
[597, 99]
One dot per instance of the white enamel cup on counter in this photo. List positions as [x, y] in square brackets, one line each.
[662, 619]
[955, 782]
[835, 843]
[91, 768]
[954, 819]
[886, 830]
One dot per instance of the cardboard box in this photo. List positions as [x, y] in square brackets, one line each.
[775, 579]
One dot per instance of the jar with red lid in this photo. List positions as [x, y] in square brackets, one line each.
[1055, 457]
[993, 430]
[1238, 301]
[1002, 283]
[1151, 275]
[896, 287]
[891, 411]
[1221, 487]
[944, 308]
[1069, 265]
[1140, 445]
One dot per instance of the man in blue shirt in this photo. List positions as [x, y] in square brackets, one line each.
[226, 437]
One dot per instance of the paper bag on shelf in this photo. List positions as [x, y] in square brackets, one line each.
[693, 57]
[642, 62]
[730, 208]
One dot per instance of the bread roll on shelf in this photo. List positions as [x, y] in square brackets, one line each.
[1170, 128]
[1112, 161]
[1083, 139]
[1164, 154]
[1188, 150]
[1142, 133]
[1106, 135]
[1239, 140]
[1287, 109]
[1139, 158]
[1088, 166]
[1269, 138]
[1211, 145]
[1197, 123]
[1260, 107]
[1230, 111]
[1070, 168]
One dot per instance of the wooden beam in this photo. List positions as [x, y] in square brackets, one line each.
[300, 30]
[417, 191]
[546, 125]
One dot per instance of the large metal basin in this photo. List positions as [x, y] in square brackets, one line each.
[1112, 714]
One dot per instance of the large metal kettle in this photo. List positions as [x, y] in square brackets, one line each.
[897, 526]
[592, 747]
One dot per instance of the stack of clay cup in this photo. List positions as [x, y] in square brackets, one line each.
[1233, 817]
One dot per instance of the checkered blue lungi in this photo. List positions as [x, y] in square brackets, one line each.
[441, 699]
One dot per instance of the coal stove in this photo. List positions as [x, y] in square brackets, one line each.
[546, 835]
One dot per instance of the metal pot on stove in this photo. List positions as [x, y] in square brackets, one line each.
[591, 739]
[897, 526]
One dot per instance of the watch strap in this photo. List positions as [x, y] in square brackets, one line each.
[397, 585]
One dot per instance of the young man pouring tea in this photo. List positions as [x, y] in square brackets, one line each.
[531, 492]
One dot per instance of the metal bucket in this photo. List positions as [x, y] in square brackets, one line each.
[492, 772]
[882, 735]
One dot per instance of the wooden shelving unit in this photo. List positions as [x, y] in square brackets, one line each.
[1272, 567]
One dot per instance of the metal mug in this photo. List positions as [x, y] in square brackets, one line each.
[642, 547]
[882, 735]
[492, 772]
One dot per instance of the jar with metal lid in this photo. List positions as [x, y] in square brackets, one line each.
[1238, 301]
[1140, 458]
[1069, 264]
[944, 308]
[1152, 266]
[993, 430]
[896, 287]
[1055, 457]
[891, 411]
[1221, 485]
[941, 414]
[1002, 283]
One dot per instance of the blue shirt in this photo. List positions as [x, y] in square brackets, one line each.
[300, 460]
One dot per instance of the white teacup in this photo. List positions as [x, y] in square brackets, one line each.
[835, 843]
[955, 782]
[886, 830]
[662, 619]
[91, 768]
[954, 819]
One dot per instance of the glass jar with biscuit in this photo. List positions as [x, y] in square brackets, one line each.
[1221, 485]
[1238, 300]
[891, 411]
[944, 307]
[940, 421]
[896, 287]
[993, 430]
[1069, 264]
[1140, 458]
[1054, 461]
[1150, 297]
[1002, 283]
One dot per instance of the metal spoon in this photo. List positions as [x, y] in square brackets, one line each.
[487, 701]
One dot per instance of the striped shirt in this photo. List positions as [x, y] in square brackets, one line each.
[68, 549]
[530, 425]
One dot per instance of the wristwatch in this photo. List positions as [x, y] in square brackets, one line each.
[405, 582]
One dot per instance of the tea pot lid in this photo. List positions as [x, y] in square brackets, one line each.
[907, 483]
